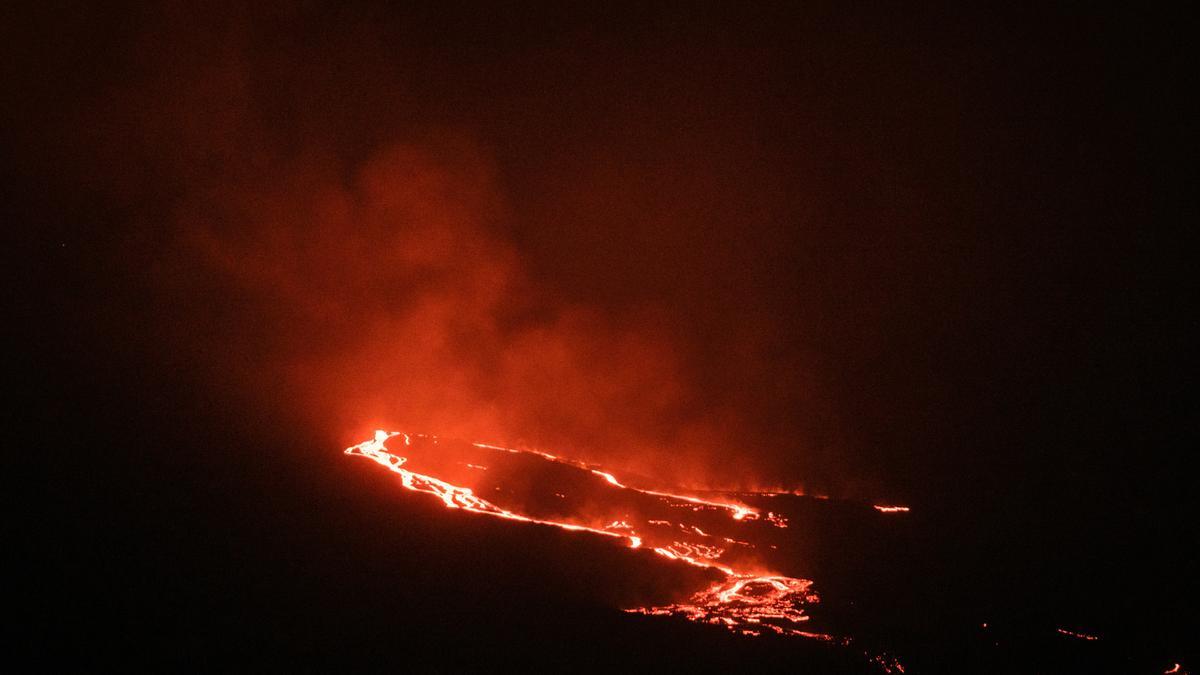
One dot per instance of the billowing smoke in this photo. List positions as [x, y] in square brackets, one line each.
[384, 299]
[331, 240]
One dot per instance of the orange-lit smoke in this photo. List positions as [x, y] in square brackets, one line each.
[328, 247]
[386, 298]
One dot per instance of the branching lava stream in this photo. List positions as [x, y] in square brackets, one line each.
[725, 537]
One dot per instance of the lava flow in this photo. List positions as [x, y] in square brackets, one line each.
[678, 527]
[727, 538]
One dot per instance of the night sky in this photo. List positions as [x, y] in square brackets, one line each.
[922, 255]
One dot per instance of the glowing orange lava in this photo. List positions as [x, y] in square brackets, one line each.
[453, 496]
[1076, 635]
[747, 599]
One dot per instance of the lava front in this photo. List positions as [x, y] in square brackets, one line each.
[730, 539]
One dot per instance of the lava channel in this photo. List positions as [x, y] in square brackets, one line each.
[725, 536]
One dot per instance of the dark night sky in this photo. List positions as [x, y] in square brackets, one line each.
[928, 255]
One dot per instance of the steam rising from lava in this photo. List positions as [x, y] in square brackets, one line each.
[323, 240]
[389, 296]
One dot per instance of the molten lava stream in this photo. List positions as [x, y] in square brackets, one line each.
[724, 536]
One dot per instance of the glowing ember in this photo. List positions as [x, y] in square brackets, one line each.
[891, 509]
[1077, 635]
